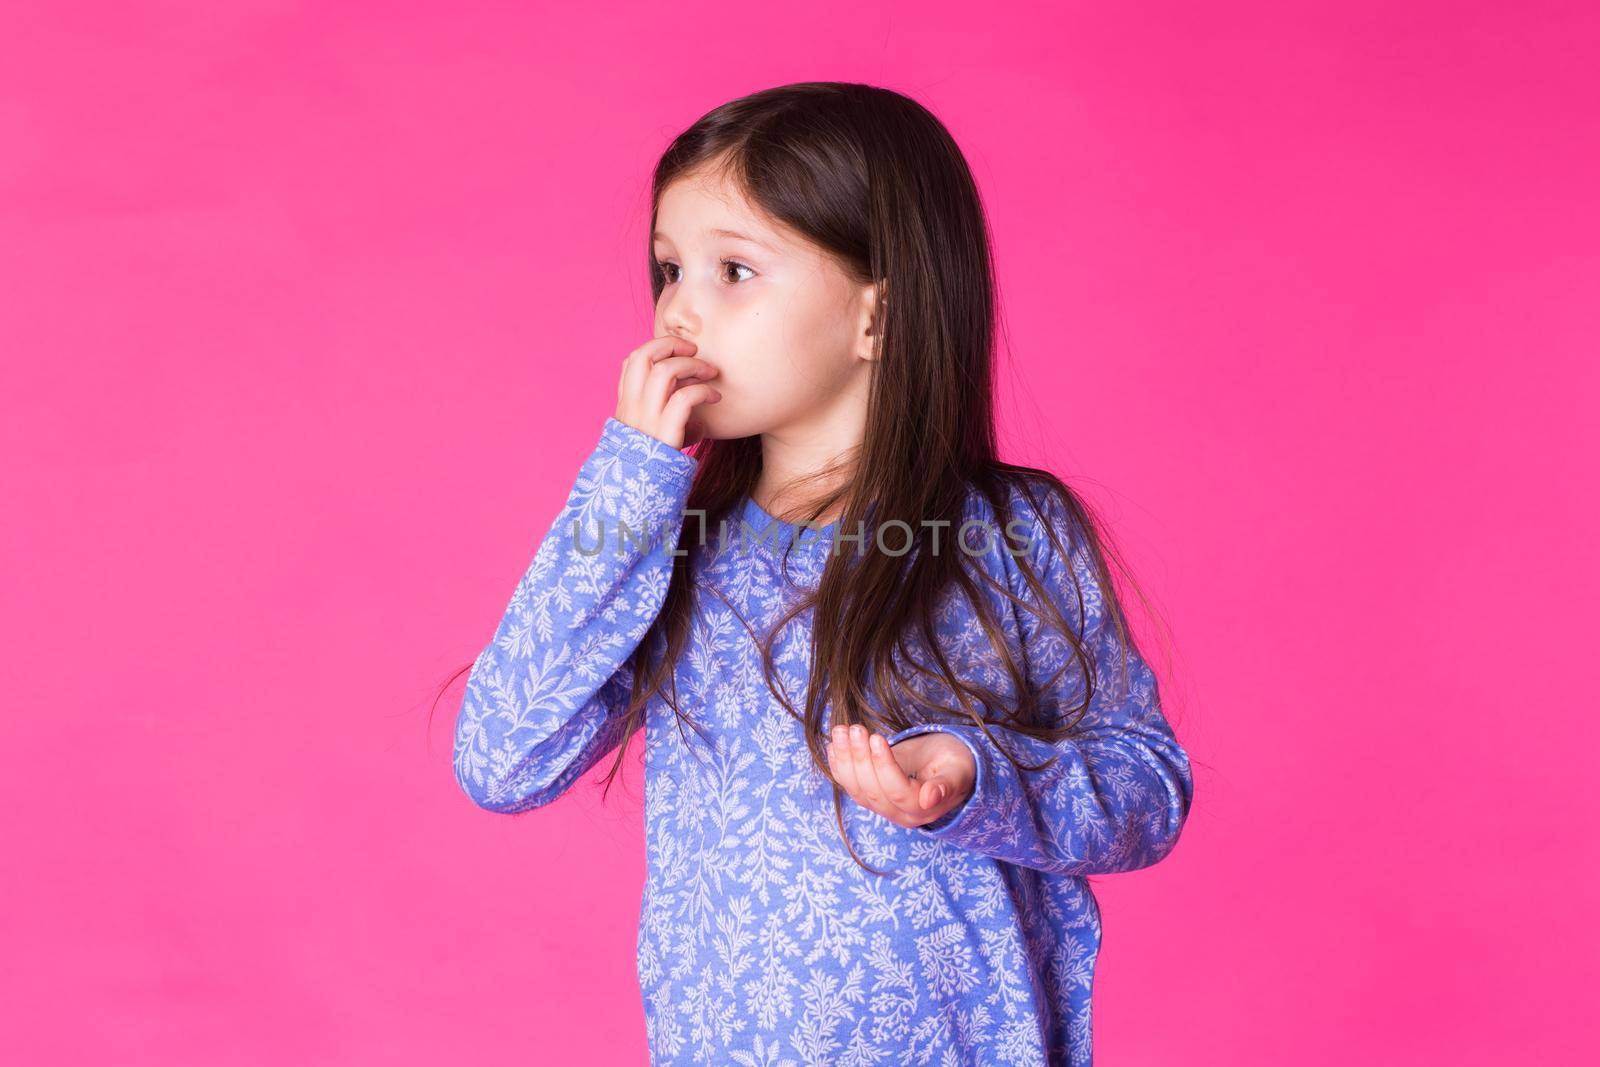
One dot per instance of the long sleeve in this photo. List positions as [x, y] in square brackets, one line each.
[544, 700]
[1119, 791]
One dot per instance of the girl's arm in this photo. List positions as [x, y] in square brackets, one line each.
[545, 697]
[1117, 795]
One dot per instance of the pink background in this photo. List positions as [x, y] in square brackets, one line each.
[310, 312]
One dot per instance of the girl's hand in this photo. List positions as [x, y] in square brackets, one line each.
[915, 782]
[649, 397]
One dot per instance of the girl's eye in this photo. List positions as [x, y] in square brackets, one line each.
[669, 278]
[736, 265]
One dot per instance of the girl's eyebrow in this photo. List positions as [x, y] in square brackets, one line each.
[734, 235]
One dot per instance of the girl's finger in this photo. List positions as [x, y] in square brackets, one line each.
[656, 382]
[865, 778]
[684, 400]
[658, 348]
[673, 377]
[897, 789]
[843, 762]
[637, 363]
[854, 770]
[933, 794]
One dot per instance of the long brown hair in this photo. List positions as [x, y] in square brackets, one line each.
[872, 178]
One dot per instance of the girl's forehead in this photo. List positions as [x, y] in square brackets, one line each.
[700, 207]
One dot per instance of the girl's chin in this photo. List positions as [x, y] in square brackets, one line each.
[700, 428]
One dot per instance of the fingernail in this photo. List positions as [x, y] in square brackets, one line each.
[938, 793]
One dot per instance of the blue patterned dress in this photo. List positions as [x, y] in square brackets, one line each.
[761, 941]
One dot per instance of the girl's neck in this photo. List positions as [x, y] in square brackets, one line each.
[827, 440]
[792, 508]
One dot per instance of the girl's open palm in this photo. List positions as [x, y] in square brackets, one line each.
[910, 784]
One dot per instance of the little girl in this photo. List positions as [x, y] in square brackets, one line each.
[893, 717]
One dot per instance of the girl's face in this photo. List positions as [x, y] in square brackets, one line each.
[784, 325]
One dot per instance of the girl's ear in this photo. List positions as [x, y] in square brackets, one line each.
[874, 326]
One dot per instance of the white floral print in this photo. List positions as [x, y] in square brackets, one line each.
[761, 941]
